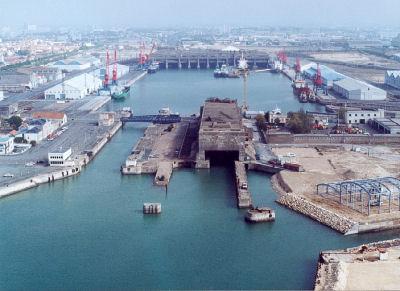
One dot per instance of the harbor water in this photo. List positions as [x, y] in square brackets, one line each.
[89, 231]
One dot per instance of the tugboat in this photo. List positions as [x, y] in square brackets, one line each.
[153, 68]
[260, 214]
[121, 95]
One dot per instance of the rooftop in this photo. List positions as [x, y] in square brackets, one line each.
[221, 114]
[351, 84]
[48, 115]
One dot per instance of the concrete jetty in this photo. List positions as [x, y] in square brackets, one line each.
[242, 189]
[163, 175]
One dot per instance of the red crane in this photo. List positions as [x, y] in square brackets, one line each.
[282, 57]
[115, 71]
[107, 73]
[148, 56]
[318, 78]
[142, 55]
[297, 67]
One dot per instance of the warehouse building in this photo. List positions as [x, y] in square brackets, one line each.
[329, 76]
[387, 125]
[392, 78]
[75, 64]
[357, 90]
[75, 88]
[363, 116]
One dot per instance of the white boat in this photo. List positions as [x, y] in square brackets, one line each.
[8, 175]
[277, 110]
[260, 214]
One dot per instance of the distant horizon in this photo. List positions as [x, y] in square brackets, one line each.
[180, 14]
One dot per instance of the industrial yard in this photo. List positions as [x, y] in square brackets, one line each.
[374, 266]
[324, 164]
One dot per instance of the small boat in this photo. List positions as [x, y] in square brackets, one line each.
[121, 95]
[260, 214]
[8, 175]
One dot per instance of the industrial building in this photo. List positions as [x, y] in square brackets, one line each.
[6, 111]
[363, 116]
[49, 73]
[222, 135]
[328, 75]
[387, 125]
[358, 90]
[60, 158]
[392, 78]
[59, 118]
[6, 145]
[75, 64]
[75, 88]
[16, 82]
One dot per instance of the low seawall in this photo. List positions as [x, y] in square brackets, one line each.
[63, 173]
[318, 213]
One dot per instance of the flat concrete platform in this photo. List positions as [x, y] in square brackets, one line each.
[374, 266]
[163, 174]
[242, 190]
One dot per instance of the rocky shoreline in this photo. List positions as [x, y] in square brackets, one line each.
[300, 204]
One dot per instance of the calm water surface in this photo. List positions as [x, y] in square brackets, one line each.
[89, 231]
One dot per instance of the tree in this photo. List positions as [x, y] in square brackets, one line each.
[299, 122]
[15, 122]
[342, 113]
[260, 122]
[277, 121]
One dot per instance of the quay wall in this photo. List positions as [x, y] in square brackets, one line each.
[288, 138]
[62, 173]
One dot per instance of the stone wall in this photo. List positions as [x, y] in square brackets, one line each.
[333, 220]
[285, 138]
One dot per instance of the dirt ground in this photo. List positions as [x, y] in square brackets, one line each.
[332, 164]
[358, 65]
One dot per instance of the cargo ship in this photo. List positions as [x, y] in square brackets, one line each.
[260, 214]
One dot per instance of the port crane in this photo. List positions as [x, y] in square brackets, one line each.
[243, 70]
[115, 69]
[107, 73]
[318, 79]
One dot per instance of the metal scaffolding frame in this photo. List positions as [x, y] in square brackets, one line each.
[364, 194]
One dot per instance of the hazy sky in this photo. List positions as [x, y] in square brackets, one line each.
[167, 13]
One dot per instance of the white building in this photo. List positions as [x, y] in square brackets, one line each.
[106, 118]
[37, 130]
[6, 145]
[363, 116]
[60, 158]
[392, 78]
[74, 88]
[357, 90]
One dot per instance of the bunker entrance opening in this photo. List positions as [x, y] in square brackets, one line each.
[222, 158]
